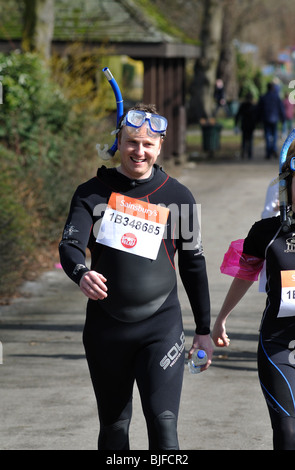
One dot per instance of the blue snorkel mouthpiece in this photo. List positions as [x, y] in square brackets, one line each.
[106, 153]
[285, 219]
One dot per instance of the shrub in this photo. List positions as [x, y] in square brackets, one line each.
[47, 146]
[15, 226]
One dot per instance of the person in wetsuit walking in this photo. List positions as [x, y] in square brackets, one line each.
[268, 241]
[133, 219]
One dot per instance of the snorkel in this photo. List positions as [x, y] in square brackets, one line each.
[285, 220]
[107, 153]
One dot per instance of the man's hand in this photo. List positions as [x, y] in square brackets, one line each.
[203, 342]
[92, 284]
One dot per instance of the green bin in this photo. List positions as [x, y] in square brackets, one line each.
[211, 137]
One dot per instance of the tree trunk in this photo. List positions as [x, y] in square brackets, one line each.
[38, 26]
[227, 67]
[202, 92]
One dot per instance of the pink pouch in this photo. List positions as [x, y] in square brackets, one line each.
[238, 264]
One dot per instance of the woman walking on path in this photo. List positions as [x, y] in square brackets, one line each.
[268, 241]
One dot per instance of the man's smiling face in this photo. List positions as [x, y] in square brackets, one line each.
[139, 150]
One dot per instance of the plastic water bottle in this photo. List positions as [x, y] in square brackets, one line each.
[198, 359]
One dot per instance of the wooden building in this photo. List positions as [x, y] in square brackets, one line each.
[125, 28]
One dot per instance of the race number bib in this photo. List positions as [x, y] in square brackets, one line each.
[287, 306]
[133, 226]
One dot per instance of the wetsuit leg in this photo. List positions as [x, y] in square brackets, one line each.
[283, 431]
[111, 367]
[152, 351]
[160, 383]
[277, 378]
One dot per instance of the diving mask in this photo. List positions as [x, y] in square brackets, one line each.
[135, 118]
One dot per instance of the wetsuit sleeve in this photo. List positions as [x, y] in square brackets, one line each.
[192, 268]
[72, 248]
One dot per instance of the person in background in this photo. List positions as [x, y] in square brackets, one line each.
[245, 117]
[270, 111]
[219, 96]
[289, 116]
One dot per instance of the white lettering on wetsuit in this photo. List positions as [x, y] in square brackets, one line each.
[173, 354]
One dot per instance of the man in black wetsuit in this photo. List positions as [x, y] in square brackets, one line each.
[134, 218]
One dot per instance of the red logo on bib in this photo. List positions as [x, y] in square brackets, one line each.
[128, 240]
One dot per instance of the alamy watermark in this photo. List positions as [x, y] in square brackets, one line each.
[1, 90]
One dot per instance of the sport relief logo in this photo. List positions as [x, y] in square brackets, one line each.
[129, 240]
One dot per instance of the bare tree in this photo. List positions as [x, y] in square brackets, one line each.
[226, 68]
[38, 25]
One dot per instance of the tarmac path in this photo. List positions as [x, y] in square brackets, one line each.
[47, 402]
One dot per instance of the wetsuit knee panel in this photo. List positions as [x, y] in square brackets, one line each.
[114, 436]
[283, 432]
[166, 429]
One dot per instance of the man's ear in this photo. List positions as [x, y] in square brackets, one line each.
[161, 141]
[119, 141]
